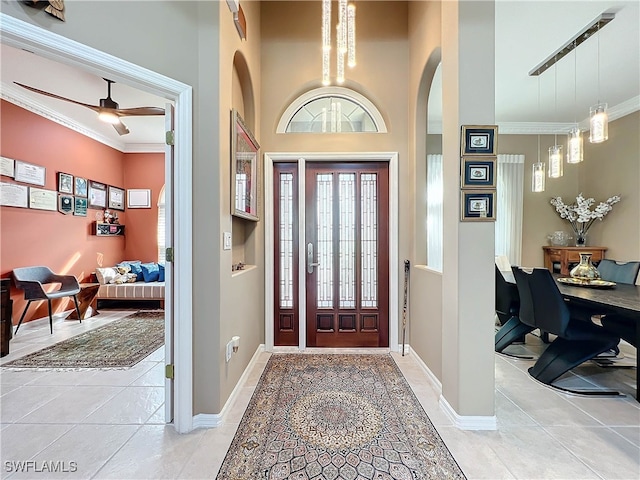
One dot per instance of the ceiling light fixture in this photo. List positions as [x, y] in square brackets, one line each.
[598, 119]
[537, 174]
[574, 143]
[573, 43]
[555, 152]
[345, 40]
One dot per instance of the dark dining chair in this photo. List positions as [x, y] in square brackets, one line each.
[577, 340]
[512, 330]
[619, 272]
[32, 280]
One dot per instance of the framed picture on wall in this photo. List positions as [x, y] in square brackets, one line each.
[65, 183]
[139, 198]
[97, 195]
[116, 198]
[478, 205]
[478, 172]
[80, 207]
[479, 140]
[80, 187]
[244, 170]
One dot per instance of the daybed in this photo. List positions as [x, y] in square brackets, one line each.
[131, 280]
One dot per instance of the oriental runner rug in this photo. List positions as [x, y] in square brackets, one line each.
[341, 416]
[119, 344]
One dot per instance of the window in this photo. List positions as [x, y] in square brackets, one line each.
[509, 205]
[434, 211]
[331, 110]
[161, 228]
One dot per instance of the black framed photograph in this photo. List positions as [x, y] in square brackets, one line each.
[478, 172]
[479, 140]
[116, 198]
[80, 207]
[65, 183]
[244, 170]
[97, 195]
[80, 187]
[478, 205]
[66, 204]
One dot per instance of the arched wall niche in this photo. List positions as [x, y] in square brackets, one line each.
[243, 99]
[427, 142]
[244, 238]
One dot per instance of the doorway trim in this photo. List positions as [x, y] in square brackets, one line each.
[301, 158]
[23, 35]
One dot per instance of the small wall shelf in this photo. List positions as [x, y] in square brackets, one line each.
[108, 229]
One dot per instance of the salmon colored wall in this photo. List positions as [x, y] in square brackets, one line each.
[64, 243]
[143, 170]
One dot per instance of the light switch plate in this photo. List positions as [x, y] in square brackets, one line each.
[226, 242]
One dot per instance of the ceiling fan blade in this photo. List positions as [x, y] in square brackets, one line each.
[138, 111]
[53, 95]
[121, 128]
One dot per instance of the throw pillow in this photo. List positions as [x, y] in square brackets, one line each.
[120, 279]
[150, 272]
[105, 275]
[134, 265]
[161, 272]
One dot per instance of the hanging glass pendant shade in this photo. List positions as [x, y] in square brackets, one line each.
[537, 177]
[574, 146]
[599, 123]
[555, 161]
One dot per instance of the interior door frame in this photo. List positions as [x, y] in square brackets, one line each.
[301, 158]
[20, 34]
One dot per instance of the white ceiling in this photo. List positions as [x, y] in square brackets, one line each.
[527, 32]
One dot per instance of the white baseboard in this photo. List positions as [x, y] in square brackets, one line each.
[435, 382]
[468, 422]
[213, 420]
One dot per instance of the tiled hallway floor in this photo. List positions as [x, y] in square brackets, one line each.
[110, 423]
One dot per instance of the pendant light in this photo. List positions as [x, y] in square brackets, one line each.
[598, 119]
[555, 152]
[537, 173]
[345, 40]
[574, 143]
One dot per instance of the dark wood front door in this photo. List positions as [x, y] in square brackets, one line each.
[346, 254]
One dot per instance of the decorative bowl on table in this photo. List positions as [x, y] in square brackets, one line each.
[559, 238]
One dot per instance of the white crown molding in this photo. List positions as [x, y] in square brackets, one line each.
[14, 95]
[143, 148]
[544, 128]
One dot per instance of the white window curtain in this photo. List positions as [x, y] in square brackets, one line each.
[434, 212]
[161, 226]
[509, 206]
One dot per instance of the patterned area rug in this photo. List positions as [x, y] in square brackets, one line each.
[121, 343]
[351, 417]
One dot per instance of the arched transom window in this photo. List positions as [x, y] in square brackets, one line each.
[331, 110]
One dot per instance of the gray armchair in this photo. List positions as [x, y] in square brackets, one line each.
[32, 281]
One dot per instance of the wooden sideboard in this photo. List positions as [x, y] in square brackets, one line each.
[567, 255]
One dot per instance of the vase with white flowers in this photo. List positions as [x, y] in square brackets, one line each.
[580, 216]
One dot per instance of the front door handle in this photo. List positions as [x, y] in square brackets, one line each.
[310, 263]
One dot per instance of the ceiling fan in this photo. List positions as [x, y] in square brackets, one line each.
[108, 110]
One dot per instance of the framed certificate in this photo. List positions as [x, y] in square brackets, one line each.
[41, 199]
[97, 195]
[116, 198]
[29, 173]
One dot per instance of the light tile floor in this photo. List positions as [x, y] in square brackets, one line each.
[110, 423]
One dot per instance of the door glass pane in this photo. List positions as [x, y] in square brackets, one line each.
[286, 240]
[324, 205]
[369, 230]
[347, 252]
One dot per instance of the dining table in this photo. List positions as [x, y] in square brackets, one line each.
[619, 299]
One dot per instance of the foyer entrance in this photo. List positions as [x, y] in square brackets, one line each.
[335, 267]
